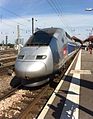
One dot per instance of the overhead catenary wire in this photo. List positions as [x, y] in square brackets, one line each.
[52, 6]
[13, 13]
[55, 6]
[12, 20]
[25, 30]
[60, 5]
[14, 27]
[59, 12]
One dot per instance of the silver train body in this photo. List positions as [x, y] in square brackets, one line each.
[45, 52]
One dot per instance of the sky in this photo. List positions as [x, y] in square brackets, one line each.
[67, 14]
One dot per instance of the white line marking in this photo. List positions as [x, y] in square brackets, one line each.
[50, 101]
[71, 109]
[80, 71]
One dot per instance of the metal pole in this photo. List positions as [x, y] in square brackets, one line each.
[6, 41]
[18, 38]
[32, 25]
[18, 33]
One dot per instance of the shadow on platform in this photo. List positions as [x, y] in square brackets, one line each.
[68, 106]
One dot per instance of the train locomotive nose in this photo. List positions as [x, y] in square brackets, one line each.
[30, 70]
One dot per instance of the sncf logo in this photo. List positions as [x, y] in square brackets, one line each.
[64, 51]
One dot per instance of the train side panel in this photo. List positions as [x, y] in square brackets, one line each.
[61, 47]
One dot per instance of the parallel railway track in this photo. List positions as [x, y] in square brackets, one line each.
[8, 51]
[8, 93]
[7, 64]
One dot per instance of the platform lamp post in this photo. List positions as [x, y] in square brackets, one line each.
[89, 9]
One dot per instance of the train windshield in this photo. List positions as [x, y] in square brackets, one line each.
[39, 38]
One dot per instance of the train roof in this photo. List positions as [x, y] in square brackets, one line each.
[51, 30]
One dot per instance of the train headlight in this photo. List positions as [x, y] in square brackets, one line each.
[41, 57]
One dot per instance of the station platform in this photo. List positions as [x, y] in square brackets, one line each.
[73, 97]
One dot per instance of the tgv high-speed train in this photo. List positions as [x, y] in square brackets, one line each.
[45, 52]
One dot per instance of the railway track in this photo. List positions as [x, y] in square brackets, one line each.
[40, 100]
[36, 100]
[7, 69]
[10, 51]
[32, 101]
[7, 65]
[3, 58]
[6, 60]
[8, 92]
[7, 56]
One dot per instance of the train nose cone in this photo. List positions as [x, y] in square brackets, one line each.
[30, 69]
